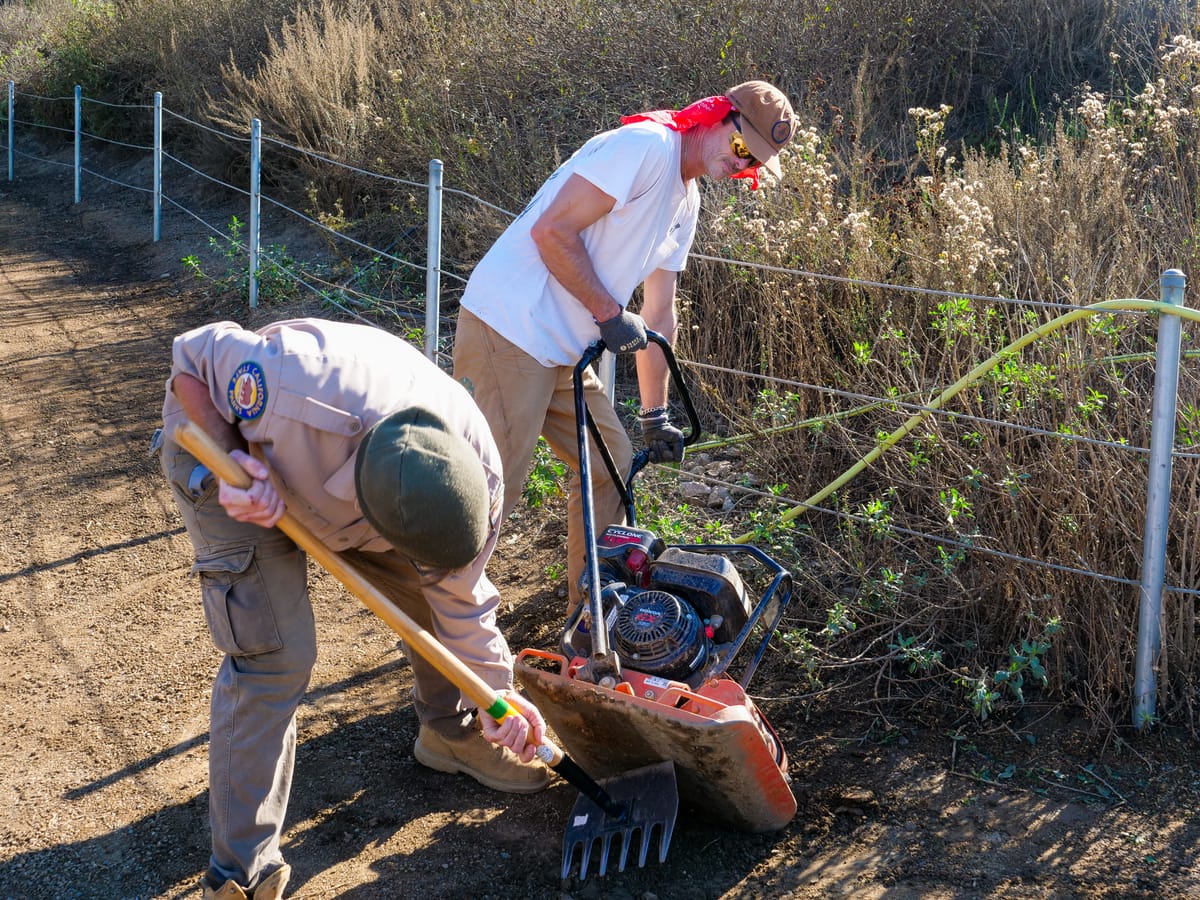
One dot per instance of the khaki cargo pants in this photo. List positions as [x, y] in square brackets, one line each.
[254, 588]
[522, 399]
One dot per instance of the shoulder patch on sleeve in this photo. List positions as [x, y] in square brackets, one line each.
[247, 391]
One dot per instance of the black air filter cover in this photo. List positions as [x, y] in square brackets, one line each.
[658, 634]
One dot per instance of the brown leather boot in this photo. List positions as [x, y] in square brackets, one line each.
[270, 888]
[230, 890]
[490, 764]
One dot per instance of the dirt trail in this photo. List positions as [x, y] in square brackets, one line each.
[105, 664]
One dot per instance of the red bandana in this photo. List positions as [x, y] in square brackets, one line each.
[709, 111]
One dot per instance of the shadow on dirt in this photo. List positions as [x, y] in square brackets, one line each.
[355, 788]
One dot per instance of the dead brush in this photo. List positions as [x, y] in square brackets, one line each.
[981, 487]
[316, 86]
[1066, 201]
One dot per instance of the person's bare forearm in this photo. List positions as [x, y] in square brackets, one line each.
[652, 376]
[658, 309]
[558, 234]
[193, 396]
[567, 259]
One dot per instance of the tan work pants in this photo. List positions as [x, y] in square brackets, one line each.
[254, 590]
[521, 399]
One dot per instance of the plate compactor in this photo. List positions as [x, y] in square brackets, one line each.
[648, 691]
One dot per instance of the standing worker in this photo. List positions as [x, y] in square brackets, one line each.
[388, 462]
[620, 212]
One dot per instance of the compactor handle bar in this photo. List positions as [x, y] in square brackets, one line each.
[604, 666]
[642, 457]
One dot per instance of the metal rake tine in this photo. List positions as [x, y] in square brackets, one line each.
[664, 840]
[647, 833]
[585, 852]
[605, 845]
[584, 858]
[568, 858]
[626, 836]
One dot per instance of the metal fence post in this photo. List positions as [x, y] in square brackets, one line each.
[78, 142]
[12, 93]
[158, 150]
[607, 370]
[433, 260]
[1158, 501]
[255, 202]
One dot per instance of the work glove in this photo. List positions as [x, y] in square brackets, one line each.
[660, 437]
[624, 332]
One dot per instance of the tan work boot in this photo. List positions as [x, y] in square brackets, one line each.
[270, 888]
[490, 764]
[230, 890]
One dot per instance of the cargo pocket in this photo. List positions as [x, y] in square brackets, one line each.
[237, 603]
[191, 481]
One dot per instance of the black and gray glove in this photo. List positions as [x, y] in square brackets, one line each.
[660, 437]
[624, 332]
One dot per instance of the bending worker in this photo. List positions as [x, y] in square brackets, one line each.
[620, 212]
[387, 461]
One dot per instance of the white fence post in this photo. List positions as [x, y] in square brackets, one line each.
[1158, 501]
[607, 370]
[78, 142]
[255, 202]
[433, 259]
[12, 93]
[158, 151]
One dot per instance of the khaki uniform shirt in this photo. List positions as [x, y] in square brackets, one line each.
[304, 392]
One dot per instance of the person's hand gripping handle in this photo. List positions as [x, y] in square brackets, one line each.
[490, 701]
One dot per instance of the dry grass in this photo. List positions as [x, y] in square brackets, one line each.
[1094, 212]
[1033, 150]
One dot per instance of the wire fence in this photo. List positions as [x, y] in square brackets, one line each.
[355, 294]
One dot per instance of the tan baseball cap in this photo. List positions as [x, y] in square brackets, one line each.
[767, 120]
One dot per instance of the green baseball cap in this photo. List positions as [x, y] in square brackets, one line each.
[423, 488]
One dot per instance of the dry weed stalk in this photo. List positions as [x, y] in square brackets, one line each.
[1065, 201]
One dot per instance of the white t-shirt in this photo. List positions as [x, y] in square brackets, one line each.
[651, 226]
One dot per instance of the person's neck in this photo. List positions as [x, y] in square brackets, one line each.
[691, 154]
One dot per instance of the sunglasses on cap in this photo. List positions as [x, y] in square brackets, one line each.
[737, 143]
